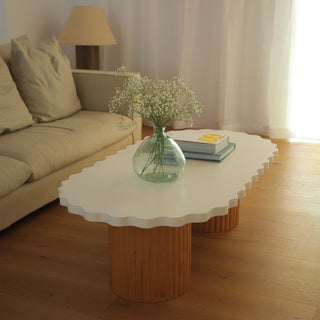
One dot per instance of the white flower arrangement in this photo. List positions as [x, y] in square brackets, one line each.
[158, 101]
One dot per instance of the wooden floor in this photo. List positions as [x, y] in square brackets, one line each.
[54, 265]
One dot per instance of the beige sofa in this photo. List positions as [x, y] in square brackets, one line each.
[34, 160]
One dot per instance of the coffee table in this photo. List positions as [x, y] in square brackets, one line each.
[149, 233]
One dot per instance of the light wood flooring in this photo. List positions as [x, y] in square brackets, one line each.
[54, 265]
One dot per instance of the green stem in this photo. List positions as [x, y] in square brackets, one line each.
[156, 154]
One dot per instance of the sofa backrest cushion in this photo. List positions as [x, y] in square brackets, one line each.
[14, 114]
[44, 79]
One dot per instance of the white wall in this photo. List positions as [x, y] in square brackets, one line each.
[37, 18]
[3, 22]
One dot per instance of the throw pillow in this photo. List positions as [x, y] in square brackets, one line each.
[44, 79]
[14, 114]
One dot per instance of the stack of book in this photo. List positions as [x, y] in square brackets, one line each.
[201, 144]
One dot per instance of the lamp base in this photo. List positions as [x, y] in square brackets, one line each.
[87, 57]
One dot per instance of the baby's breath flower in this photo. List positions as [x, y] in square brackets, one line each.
[122, 69]
[158, 101]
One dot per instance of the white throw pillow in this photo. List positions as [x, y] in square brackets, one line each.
[14, 114]
[44, 79]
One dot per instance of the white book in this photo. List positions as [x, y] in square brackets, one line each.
[195, 141]
[211, 156]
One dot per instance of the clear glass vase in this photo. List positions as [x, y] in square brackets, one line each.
[158, 158]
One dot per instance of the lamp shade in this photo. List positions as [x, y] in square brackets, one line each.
[87, 26]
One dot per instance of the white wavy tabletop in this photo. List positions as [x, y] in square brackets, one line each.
[110, 191]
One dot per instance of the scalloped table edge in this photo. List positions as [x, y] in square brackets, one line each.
[169, 221]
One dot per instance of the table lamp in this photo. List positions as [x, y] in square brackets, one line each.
[87, 29]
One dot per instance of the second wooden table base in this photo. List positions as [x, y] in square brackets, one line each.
[219, 223]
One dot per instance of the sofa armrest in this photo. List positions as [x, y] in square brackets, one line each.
[95, 88]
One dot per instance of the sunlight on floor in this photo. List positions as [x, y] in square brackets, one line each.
[304, 140]
[305, 84]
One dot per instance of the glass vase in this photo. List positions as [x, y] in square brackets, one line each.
[158, 158]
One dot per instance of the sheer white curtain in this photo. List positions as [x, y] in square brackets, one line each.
[304, 93]
[235, 55]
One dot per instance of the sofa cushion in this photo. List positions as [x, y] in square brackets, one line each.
[5, 52]
[44, 79]
[13, 174]
[47, 147]
[13, 112]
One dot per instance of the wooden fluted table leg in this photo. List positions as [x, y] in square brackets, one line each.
[150, 265]
[219, 223]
